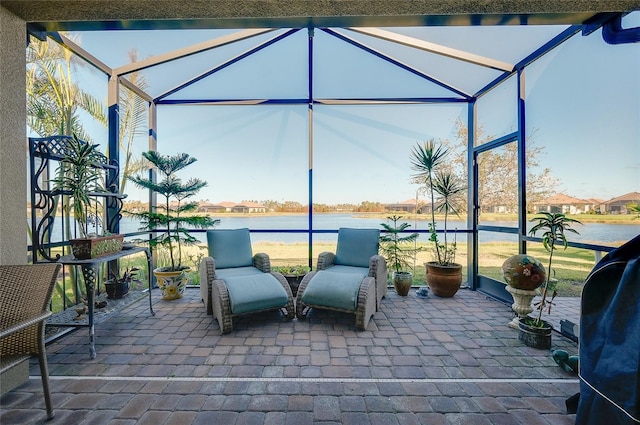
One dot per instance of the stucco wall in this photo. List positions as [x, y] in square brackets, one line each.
[13, 176]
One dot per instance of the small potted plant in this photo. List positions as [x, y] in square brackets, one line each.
[534, 331]
[118, 286]
[80, 180]
[444, 275]
[293, 274]
[398, 250]
[170, 220]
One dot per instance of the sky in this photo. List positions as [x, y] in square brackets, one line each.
[583, 106]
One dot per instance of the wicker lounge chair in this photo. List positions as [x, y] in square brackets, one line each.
[25, 294]
[234, 282]
[354, 280]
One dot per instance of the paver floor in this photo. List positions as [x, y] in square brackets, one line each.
[420, 361]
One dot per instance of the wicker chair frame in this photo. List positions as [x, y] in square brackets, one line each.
[25, 295]
[372, 289]
[215, 294]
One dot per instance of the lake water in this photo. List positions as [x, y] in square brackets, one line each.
[589, 233]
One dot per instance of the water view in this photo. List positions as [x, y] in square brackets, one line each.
[596, 233]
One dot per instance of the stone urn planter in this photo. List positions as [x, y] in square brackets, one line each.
[523, 275]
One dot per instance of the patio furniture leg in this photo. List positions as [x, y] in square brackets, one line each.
[366, 303]
[288, 310]
[221, 305]
[44, 373]
[301, 307]
[207, 269]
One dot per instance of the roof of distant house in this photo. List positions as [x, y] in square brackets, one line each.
[627, 197]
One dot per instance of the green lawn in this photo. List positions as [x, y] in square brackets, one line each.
[571, 267]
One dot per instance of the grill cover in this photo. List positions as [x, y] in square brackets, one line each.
[610, 340]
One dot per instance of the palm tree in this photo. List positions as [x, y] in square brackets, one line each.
[554, 226]
[134, 114]
[53, 98]
[444, 189]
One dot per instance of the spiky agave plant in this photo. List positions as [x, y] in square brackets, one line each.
[554, 226]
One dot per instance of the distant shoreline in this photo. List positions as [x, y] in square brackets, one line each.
[584, 218]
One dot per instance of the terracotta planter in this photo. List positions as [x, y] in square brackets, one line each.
[87, 248]
[444, 281]
[535, 337]
[402, 282]
[116, 290]
[173, 283]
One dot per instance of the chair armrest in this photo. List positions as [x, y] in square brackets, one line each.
[325, 260]
[261, 262]
[207, 269]
[24, 324]
[378, 267]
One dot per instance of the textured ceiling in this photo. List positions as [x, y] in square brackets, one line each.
[155, 14]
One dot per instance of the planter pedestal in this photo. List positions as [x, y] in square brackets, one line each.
[522, 304]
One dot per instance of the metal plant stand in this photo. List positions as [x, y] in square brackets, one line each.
[90, 272]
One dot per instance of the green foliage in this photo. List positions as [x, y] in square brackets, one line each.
[172, 219]
[80, 174]
[130, 275]
[445, 189]
[53, 98]
[397, 249]
[296, 270]
[553, 226]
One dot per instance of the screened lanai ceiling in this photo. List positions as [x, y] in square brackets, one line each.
[421, 64]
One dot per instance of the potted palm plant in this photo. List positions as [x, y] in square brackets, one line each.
[170, 220]
[534, 331]
[444, 275]
[79, 179]
[398, 250]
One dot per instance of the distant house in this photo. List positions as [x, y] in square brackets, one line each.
[561, 203]
[595, 204]
[407, 206]
[228, 206]
[210, 208]
[249, 207]
[620, 205]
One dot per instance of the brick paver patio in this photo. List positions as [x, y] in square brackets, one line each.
[421, 361]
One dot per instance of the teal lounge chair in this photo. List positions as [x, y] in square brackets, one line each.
[235, 282]
[353, 280]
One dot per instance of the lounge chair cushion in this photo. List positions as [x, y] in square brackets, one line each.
[356, 246]
[255, 292]
[335, 287]
[230, 247]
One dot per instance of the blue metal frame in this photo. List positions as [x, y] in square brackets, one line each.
[612, 31]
